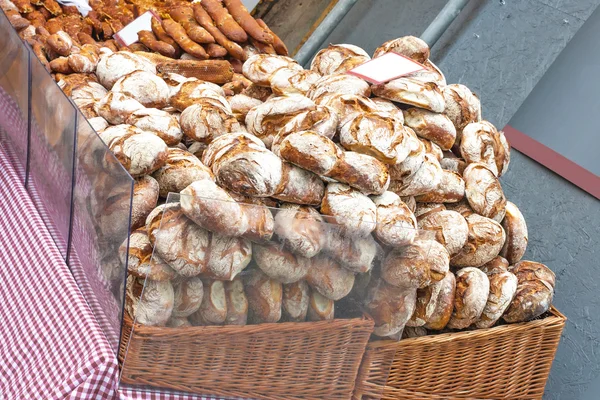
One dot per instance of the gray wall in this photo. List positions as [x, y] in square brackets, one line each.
[501, 49]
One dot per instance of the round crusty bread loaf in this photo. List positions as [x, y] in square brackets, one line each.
[410, 202]
[261, 223]
[432, 126]
[470, 298]
[192, 91]
[433, 149]
[237, 303]
[243, 165]
[320, 308]
[516, 234]
[350, 208]
[452, 163]
[424, 209]
[260, 67]
[213, 310]
[265, 120]
[228, 256]
[451, 228]
[287, 81]
[279, 263]
[484, 192]
[207, 119]
[328, 278]
[413, 92]
[241, 105]
[413, 161]
[409, 46]
[98, 123]
[139, 152]
[535, 291]
[503, 286]
[377, 134]
[159, 122]
[396, 224]
[145, 196]
[387, 106]
[482, 143]
[347, 106]
[264, 297]
[213, 208]
[451, 189]
[338, 58]
[140, 262]
[301, 229]
[181, 170]
[147, 88]
[426, 179]
[177, 240]
[149, 302]
[296, 297]
[485, 240]
[311, 151]
[362, 172]
[434, 304]
[462, 107]
[299, 186]
[112, 67]
[417, 265]
[356, 254]
[341, 84]
[116, 107]
[444, 304]
[188, 297]
[322, 120]
[389, 307]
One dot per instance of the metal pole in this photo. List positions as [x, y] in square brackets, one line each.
[442, 21]
[316, 39]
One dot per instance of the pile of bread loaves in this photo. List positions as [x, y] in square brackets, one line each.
[299, 188]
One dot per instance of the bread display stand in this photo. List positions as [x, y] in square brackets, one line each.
[206, 341]
[78, 187]
[504, 362]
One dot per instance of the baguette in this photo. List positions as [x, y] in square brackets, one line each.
[204, 19]
[224, 21]
[241, 15]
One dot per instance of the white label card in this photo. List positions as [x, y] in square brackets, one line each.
[129, 34]
[385, 68]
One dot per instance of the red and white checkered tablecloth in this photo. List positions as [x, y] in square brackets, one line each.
[50, 344]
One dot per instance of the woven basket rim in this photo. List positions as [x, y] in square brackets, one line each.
[250, 328]
[556, 318]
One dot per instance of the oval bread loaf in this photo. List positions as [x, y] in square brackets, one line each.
[320, 308]
[296, 297]
[149, 302]
[140, 262]
[300, 229]
[485, 240]
[396, 224]
[351, 209]
[432, 126]
[470, 298]
[535, 291]
[328, 278]
[516, 234]
[159, 122]
[237, 303]
[503, 286]
[451, 228]
[145, 197]
[264, 297]
[188, 297]
[181, 170]
[390, 307]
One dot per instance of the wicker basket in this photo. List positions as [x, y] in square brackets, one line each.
[308, 360]
[503, 362]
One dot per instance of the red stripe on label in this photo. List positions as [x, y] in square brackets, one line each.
[558, 163]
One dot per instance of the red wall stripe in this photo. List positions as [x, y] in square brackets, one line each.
[558, 163]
